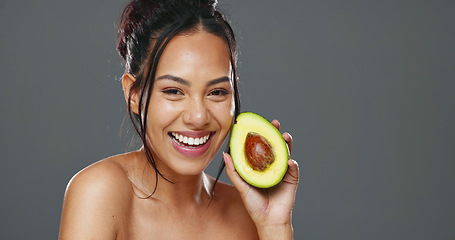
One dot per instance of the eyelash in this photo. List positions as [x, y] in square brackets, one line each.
[216, 92]
[172, 91]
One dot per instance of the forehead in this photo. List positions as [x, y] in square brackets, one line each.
[197, 55]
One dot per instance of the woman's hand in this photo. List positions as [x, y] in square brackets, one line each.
[271, 208]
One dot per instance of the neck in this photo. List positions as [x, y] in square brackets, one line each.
[181, 191]
[186, 189]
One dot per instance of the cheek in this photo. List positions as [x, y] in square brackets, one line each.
[224, 113]
[161, 113]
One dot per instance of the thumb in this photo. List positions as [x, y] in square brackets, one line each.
[235, 178]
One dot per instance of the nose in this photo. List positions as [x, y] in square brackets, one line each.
[196, 114]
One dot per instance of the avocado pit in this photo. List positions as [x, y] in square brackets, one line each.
[258, 151]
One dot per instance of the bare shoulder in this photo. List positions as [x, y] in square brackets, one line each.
[229, 198]
[104, 179]
[95, 199]
[233, 210]
[227, 192]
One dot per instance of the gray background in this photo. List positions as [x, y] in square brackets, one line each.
[365, 87]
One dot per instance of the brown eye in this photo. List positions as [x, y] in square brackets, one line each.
[172, 91]
[219, 92]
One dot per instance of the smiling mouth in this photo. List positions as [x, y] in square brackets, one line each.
[189, 141]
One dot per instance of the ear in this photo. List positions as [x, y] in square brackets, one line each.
[127, 82]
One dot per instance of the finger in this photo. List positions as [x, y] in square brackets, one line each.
[292, 175]
[276, 123]
[288, 138]
[235, 178]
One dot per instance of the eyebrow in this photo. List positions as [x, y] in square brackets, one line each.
[187, 83]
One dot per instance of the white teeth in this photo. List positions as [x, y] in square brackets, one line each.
[189, 140]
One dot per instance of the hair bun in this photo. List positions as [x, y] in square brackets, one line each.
[142, 21]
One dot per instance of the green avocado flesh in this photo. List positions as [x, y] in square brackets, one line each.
[258, 150]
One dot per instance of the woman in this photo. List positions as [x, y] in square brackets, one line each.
[180, 86]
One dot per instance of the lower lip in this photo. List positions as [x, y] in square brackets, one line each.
[191, 151]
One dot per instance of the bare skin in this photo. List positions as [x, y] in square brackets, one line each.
[105, 202]
[192, 96]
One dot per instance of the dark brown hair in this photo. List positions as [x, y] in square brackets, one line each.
[145, 29]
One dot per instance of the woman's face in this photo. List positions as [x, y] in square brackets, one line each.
[191, 105]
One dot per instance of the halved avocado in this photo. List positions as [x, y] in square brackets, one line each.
[258, 150]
